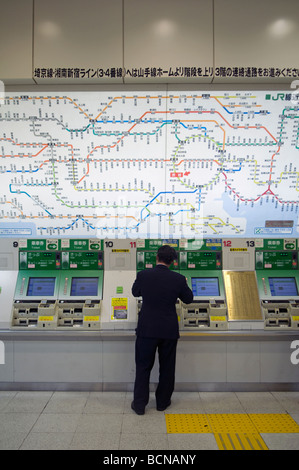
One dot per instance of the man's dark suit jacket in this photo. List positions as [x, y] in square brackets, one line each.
[160, 288]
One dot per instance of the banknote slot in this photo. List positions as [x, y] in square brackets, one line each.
[283, 322]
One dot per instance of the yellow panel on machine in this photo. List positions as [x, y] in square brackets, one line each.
[242, 296]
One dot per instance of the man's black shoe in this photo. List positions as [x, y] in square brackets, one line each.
[138, 412]
[162, 408]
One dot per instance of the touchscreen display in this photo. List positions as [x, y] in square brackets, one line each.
[84, 286]
[41, 286]
[283, 286]
[205, 286]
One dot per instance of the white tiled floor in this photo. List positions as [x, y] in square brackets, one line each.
[104, 420]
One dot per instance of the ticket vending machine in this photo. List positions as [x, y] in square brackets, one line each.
[59, 284]
[37, 286]
[276, 262]
[81, 283]
[200, 261]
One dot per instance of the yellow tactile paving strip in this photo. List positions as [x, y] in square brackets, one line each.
[187, 424]
[231, 441]
[274, 423]
[234, 431]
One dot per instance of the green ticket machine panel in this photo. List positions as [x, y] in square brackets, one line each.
[147, 252]
[276, 264]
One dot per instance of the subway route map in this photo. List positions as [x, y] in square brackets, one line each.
[149, 164]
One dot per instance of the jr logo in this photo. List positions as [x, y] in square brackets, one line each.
[295, 354]
[2, 353]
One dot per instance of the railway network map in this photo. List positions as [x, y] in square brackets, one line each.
[149, 164]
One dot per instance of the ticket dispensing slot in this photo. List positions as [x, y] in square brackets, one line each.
[278, 281]
[81, 289]
[202, 268]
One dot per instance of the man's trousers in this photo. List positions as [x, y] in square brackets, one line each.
[145, 351]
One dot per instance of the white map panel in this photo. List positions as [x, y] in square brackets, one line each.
[151, 164]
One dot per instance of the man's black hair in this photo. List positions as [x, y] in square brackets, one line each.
[166, 254]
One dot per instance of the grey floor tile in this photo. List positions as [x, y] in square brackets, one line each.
[56, 422]
[101, 423]
[148, 423]
[143, 442]
[184, 402]
[289, 401]
[67, 402]
[281, 441]
[262, 402]
[47, 441]
[17, 422]
[221, 402]
[105, 402]
[192, 442]
[295, 417]
[5, 398]
[95, 441]
[12, 440]
[28, 402]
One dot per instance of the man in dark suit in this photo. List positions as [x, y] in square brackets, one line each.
[158, 328]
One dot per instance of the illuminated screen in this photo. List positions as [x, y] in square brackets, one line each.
[84, 286]
[283, 286]
[205, 286]
[41, 286]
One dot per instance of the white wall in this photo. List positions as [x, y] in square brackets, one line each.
[16, 26]
[256, 33]
[78, 34]
[89, 37]
[168, 34]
